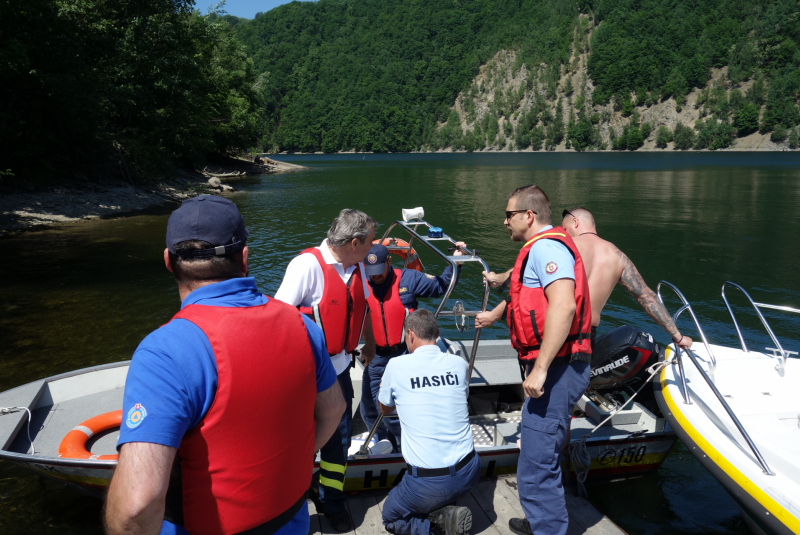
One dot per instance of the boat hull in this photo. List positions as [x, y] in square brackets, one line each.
[761, 511]
[611, 458]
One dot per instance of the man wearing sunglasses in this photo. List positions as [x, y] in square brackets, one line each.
[606, 266]
[549, 319]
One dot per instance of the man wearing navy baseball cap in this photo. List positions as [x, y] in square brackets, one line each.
[393, 295]
[210, 396]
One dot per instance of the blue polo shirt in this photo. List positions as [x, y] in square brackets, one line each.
[430, 390]
[548, 261]
[172, 379]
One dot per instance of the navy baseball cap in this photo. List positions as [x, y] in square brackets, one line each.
[375, 261]
[207, 218]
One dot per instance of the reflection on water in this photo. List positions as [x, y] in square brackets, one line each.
[87, 295]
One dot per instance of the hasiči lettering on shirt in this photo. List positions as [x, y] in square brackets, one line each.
[449, 379]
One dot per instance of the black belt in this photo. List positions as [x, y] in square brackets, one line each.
[383, 350]
[433, 472]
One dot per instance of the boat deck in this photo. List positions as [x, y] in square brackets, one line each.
[493, 502]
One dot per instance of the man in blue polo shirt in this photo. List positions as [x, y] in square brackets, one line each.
[211, 439]
[429, 389]
[393, 295]
[549, 317]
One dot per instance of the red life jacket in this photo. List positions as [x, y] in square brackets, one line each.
[248, 460]
[388, 314]
[528, 307]
[341, 311]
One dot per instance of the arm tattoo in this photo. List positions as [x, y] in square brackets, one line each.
[632, 281]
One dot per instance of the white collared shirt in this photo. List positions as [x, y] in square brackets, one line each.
[304, 283]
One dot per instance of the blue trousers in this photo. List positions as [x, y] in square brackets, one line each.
[370, 387]
[545, 422]
[406, 509]
[333, 455]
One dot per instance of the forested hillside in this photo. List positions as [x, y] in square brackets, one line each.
[96, 88]
[102, 88]
[376, 75]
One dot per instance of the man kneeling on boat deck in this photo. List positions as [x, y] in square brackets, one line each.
[393, 295]
[219, 427]
[429, 389]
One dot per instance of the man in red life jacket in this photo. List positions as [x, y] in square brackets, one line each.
[606, 266]
[212, 400]
[549, 316]
[328, 284]
[393, 296]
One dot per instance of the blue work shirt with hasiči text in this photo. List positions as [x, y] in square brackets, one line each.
[172, 379]
[429, 389]
[548, 261]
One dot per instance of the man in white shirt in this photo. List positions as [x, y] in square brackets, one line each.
[429, 389]
[328, 284]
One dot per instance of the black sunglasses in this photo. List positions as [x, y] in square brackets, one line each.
[565, 213]
[510, 213]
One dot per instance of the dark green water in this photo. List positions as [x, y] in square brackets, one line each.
[86, 295]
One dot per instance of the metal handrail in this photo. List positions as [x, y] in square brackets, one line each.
[688, 307]
[778, 307]
[783, 357]
[764, 466]
[471, 256]
[685, 389]
[453, 261]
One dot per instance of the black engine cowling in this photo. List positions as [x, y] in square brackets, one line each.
[621, 358]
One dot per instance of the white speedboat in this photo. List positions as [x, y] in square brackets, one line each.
[66, 426]
[737, 410]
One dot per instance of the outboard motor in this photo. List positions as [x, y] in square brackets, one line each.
[621, 357]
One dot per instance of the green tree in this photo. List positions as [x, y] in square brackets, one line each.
[794, 139]
[663, 137]
[779, 134]
[635, 139]
[684, 137]
[746, 119]
[676, 85]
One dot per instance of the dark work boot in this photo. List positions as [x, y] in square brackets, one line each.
[520, 526]
[340, 521]
[452, 519]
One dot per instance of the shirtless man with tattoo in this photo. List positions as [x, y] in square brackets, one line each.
[606, 266]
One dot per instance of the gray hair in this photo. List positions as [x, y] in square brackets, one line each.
[351, 224]
[422, 323]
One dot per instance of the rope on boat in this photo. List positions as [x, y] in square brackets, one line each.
[579, 454]
[7, 410]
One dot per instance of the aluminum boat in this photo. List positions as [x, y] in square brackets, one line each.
[632, 441]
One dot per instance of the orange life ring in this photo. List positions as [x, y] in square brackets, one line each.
[401, 248]
[73, 446]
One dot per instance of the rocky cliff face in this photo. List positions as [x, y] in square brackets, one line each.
[491, 112]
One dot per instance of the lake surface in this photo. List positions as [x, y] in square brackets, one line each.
[86, 295]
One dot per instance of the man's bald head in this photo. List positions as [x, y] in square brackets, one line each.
[578, 220]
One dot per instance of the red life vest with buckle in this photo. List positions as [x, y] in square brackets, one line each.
[342, 309]
[388, 314]
[237, 471]
[528, 307]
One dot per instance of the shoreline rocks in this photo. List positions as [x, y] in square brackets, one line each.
[34, 208]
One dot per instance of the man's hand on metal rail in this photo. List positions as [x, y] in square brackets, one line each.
[496, 279]
[684, 342]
